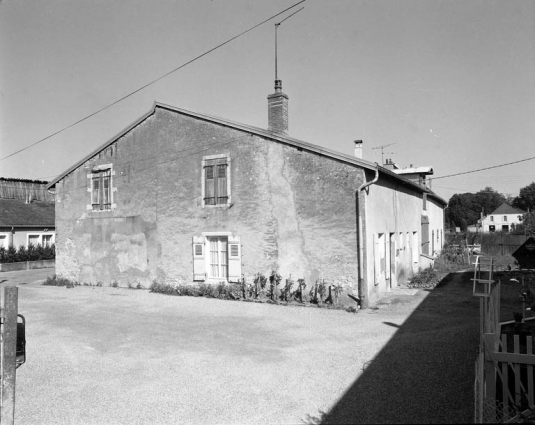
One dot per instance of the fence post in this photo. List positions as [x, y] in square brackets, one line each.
[8, 354]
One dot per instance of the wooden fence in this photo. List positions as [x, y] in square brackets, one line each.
[505, 381]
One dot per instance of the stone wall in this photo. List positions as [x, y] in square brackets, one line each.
[293, 210]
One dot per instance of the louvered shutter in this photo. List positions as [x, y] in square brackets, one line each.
[209, 182]
[234, 259]
[199, 262]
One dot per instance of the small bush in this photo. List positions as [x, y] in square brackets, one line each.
[59, 281]
[427, 278]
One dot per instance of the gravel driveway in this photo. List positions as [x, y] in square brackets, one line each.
[110, 355]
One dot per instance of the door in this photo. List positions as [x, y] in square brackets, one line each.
[218, 266]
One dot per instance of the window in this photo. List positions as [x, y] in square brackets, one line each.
[44, 239]
[217, 257]
[101, 190]
[216, 180]
[425, 201]
[504, 218]
[491, 218]
[4, 240]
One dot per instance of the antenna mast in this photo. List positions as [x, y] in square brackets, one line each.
[278, 83]
[382, 147]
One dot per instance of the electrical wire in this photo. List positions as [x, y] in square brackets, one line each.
[152, 82]
[482, 169]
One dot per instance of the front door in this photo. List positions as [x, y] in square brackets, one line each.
[218, 267]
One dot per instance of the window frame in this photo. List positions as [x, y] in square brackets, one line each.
[98, 174]
[6, 243]
[205, 164]
[41, 235]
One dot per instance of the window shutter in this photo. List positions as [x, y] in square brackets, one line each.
[376, 259]
[234, 259]
[199, 262]
[209, 183]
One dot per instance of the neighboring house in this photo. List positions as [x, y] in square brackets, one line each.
[180, 196]
[26, 213]
[502, 219]
[414, 174]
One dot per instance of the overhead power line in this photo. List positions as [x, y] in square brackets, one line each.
[482, 169]
[153, 81]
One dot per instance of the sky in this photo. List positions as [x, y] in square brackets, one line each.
[447, 84]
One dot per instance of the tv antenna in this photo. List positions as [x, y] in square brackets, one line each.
[278, 83]
[382, 147]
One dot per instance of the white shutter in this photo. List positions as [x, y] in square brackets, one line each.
[376, 259]
[234, 259]
[199, 262]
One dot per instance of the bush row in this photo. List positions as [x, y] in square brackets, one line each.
[30, 253]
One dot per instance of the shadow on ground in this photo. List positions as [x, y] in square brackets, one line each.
[425, 374]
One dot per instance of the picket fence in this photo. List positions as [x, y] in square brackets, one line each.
[504, 385]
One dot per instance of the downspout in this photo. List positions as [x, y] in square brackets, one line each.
[362, 281]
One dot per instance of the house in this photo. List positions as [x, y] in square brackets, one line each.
[26, 213]
[502, 219]
[414, 174]
[180, 196]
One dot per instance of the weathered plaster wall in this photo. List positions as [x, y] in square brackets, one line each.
[395, 210]
[293, 210]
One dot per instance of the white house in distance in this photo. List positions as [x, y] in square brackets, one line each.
[502, 218]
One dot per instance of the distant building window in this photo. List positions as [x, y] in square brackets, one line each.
[101, 190]
[44, 239]
[216, 180]
[504, 218]
[4, 241]
[491, 218]
[492, 228]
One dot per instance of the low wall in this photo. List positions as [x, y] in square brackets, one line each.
[426, 261]
[27, 265]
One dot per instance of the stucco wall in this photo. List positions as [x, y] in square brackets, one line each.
[293, 210]
[395, 210]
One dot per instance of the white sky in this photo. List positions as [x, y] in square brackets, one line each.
[451, 83]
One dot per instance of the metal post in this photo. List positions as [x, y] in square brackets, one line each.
[8, 350]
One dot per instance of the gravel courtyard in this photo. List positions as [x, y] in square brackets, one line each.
[101, 355]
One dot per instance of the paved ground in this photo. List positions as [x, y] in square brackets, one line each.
[110, 355]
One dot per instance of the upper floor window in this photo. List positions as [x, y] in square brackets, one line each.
[216, 180]
[491, 218]
[425, 202]
[101, 188]
[504, 218]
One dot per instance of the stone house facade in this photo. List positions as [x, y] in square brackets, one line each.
[179, 197]
[502, 219]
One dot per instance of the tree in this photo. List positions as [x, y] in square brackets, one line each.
[526, 198]
[469, 206]
[528, 221]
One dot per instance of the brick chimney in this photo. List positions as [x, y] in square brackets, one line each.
[278, 110]
[358, 149]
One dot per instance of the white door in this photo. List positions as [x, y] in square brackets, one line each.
[218, 266]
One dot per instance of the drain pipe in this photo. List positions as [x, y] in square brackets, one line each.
[362, 280]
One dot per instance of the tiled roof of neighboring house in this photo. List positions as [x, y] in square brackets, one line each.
[507, 209]
[260, 132]
[15, 212]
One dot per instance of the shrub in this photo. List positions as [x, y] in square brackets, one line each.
[59, 281]
[425, 278]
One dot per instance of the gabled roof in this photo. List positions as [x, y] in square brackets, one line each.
[15, 212]
[507, 209]
[259, 132]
